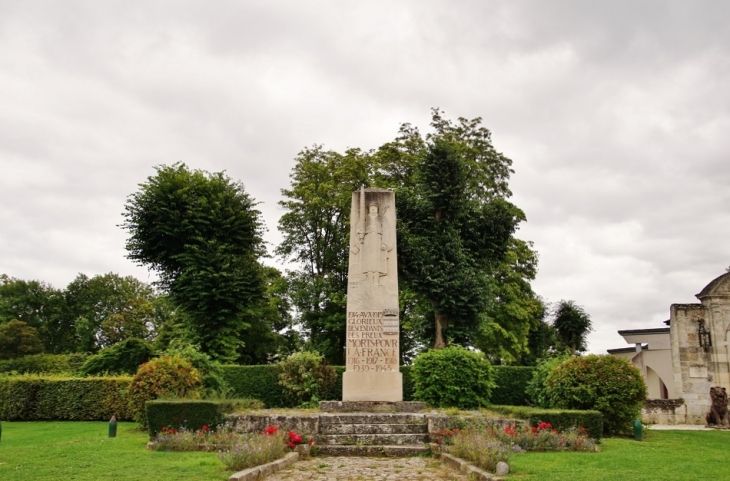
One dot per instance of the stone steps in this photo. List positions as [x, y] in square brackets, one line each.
[373, 434]
[372, 418]
[345, 450]
[374, 429]
[373, 439]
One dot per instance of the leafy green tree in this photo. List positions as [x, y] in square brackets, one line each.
[274, 336]
[572, 325]
[18, 339]
[202, 234]
[316, 233]
[107, 309]
[40, 306]
[455, 228]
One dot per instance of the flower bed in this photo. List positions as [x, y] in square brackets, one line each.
[486, 446]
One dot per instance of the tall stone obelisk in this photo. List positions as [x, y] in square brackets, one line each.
[372, 372]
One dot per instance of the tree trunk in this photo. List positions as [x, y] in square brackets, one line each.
[441, 322]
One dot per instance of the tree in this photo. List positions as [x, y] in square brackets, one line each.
[454, 230]
[18, 339]
[40, 306]
[316, 236]
[202, 234]
[107, 309]
[572, 325]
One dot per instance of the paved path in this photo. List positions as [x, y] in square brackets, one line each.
[342, 468]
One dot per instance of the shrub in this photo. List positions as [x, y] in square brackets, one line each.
[122, 358]
[305, 378]
[214, 383]
[536, 388]
[453, 376]
[165, 376]
[33, 397]
[44, 363]
[604, 383]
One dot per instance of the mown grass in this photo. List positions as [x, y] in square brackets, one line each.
[82, 451]
[663, 455]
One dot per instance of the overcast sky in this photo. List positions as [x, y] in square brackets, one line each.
[616, 115]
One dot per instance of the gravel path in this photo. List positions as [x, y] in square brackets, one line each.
[342, 468]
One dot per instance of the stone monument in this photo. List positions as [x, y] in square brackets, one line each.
[372, 348]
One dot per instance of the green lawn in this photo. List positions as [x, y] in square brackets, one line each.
[83, 451]
[663, 455]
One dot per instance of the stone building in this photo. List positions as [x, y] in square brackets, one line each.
[698, 356]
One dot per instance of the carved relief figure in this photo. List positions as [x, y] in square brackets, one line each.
[718, 415]
[374, 243]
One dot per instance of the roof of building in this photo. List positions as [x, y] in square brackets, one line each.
[620, 350]
[715, 286]
[639, 332]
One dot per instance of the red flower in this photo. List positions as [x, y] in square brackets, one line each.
[311, 441]
[291, 444]
[270, 430]
[205, 428]
[294, 437]
[170, 431]
[544, 425]
[164, 428]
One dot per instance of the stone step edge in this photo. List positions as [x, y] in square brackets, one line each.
[465, 467]
[260, 472]
[373, 418]
[345, 429]
[404, 450]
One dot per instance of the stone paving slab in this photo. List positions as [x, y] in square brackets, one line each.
[328, 468]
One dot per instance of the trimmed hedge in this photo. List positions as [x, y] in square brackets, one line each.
[44, 363]
[262, 383]
[511, 384]
[191, 414]
[32, 398]
[591, 421]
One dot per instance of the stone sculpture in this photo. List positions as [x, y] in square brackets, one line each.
[718, 415]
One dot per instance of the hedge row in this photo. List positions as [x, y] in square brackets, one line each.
[31, 398]
[591, 421]
[44, 363]
[261, 382]
[190, 414]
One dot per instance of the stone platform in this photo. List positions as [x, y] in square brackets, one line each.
[371, 407]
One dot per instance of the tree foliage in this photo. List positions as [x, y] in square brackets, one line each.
[40, 306]
[461, 270]
[107, 309]
[202, 234]
[572, 325]
[18, 339]
[316, 233]
[124, 357]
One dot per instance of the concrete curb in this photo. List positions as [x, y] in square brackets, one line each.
[260, 472]
[472, 471]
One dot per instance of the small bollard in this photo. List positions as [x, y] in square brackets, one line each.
[113, 427]
[638, 430]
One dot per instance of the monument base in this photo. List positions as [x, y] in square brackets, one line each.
[371, 407]
[371, 386]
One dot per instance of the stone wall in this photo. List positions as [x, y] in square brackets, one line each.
[664, 411]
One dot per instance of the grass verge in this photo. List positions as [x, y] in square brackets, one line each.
[82, 451]
[663, 455]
